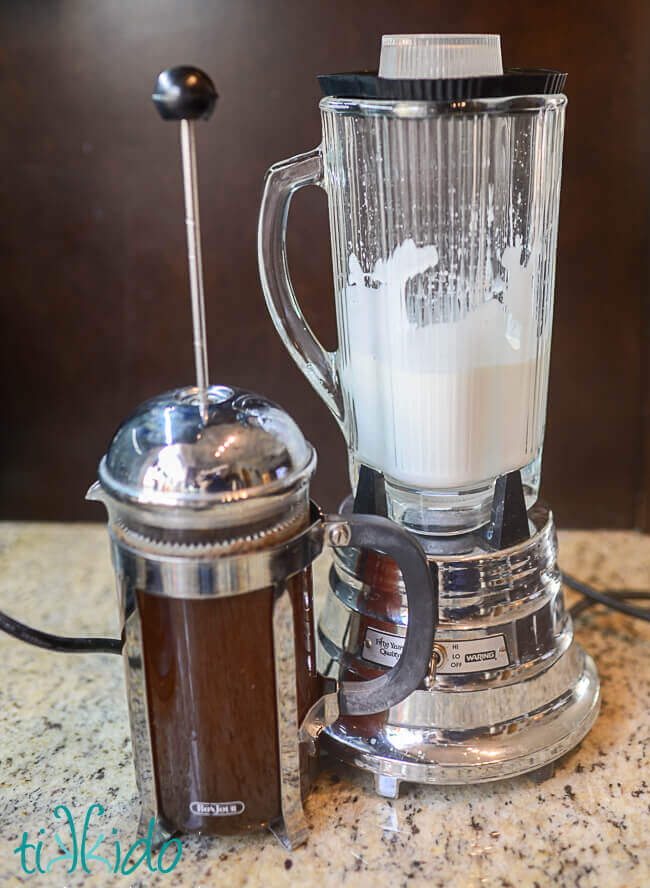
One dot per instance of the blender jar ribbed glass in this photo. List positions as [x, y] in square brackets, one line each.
[443, 223]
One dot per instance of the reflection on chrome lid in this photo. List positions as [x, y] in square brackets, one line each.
[165, 454]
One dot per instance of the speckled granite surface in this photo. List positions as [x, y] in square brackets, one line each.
[64, 740]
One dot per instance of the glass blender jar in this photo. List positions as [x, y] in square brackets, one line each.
[443, 198]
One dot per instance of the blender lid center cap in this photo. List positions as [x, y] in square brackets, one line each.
[440, 56]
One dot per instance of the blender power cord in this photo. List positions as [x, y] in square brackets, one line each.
[59, 642]
[615, 599]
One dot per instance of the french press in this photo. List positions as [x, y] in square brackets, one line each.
[213, 536]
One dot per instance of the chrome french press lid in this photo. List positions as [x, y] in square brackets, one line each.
[165, 453]
[242, 462]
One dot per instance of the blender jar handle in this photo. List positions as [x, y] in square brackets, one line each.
[421, 586]
[318, 365]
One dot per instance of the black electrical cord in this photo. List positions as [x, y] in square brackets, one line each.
[615, 599]
[58, 642]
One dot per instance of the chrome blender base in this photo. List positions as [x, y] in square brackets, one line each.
[401, 753]
[513, 691]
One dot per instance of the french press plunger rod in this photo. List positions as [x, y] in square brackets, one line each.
[187, 94]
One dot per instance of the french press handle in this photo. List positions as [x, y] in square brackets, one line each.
[421, 586]
[353, 697]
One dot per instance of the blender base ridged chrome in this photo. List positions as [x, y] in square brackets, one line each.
[513, 691]
[401, 753]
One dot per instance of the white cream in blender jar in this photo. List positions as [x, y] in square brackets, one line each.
[444, 402]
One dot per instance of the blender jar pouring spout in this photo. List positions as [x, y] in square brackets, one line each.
[95, 493]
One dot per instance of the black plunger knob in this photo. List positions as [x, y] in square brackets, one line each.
[184, 93]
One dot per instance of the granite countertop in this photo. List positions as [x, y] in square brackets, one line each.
[64, 740]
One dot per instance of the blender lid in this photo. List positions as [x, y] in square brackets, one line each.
[442, 67]
[164, 454]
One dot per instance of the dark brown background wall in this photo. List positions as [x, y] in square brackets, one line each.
[96, 310]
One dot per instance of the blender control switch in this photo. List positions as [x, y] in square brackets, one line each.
[438, 657]
[184, 93]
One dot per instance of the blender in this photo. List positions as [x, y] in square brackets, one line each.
[442, 172]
